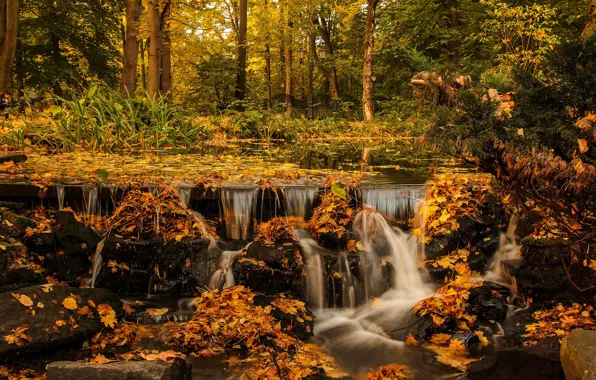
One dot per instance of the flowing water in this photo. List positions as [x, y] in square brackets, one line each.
[97, 261]
[299, 200]
[91, 200]
[394, 201]
[60, 194]
[315, 276]
[223, 277]
[238, 207]
[185, 195]
[508, 250]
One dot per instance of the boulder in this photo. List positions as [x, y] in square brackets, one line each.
[487, 302]
[13, 279]
[39, 319]
[578, 350]
[173, 267]
[441, 245]
[13, 224]
[137, 370]
[271, 270]
[41, 243]
[204, 265]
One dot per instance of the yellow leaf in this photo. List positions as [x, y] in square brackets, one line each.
[583, 145]
[157, 312]
[47, 288]
[70, 303]
[23, 299]
[60, 323]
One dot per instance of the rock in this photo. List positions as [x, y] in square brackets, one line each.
[11, 280]
[41, 243]
[490, 246]
[578, 350]
[41, 328]
[14, 225]
[302, 328]
[332, 241]
[477, 261]
[173, 268]
[204, 265]
[14, 157]
[486, 304]
[128, 264]
[467, 230]
[441, 245]
[132, 370]
[271, 270]
[15, 206]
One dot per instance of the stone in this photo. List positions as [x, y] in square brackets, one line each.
[14, 225]
[173, 267]
[121, 370]
[13, 279]
[441, 245]
[486, 304]
[578, 351]
[40, 243]
[14, 157]
[41, 326]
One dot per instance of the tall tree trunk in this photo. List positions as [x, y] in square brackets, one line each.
[155, 48]
[268, 74]
[325, 30]
[131, 48]
[288, 65]
[369, 47]
[590, 27]
[240, 92]
[9, 41]
[143, 47]
[166, 62]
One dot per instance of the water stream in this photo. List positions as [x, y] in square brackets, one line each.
[97, 261]
[238, 207]
[315, 276]
[60, 194]
[223, 277]
[299, 200]
[394, 201]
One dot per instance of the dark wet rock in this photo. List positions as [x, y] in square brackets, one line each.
[441, 245]
[467, 230]
[204, 265]
[438, 274]
[542, 276]
[15, 206]
[75, 238]
[173, 267]
[489, 244]
[41, 243]
[137, 370]
[477, 261]
[332, 241]
[302, 328]
[13, 224]
[421, 328]
[14, 157]
[488, 303]
[578, 350]
[42, 328]
[128, 264]
[271, 270]
[539, 362]
[13, 279]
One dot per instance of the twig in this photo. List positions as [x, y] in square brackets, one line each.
[408, 326]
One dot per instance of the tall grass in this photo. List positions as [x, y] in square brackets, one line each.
[100, 119]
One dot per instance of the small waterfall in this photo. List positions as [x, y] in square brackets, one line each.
[347, 280]
[60, 194]
[299, 200]
[508, 250]
[203, 228]
[398, 202]
[185, 195]
[238, 206]
[91, 200]
[223, 277]
[113, 194]
[315, 277]
[97, 261]
[154, 190]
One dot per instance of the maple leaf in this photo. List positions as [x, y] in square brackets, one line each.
[13, 339]
[157, 312]
[69, 303]
[107, 315]
[411, 340]
[23, 299]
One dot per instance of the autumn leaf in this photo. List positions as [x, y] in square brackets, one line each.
[100, 359]
[60, 323]
[107, 315]
[157, 312]
[411, 340]
[70, 303]
[23, 299]
[583, 145]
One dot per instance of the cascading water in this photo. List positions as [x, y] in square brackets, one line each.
[238, 207]
[299, 200]
[223, 277]
[185, 195]
[398, 202]
[91, 199]
[60, 194]
[97, 261]
[315, 277]
[364, 333]
[508, 250]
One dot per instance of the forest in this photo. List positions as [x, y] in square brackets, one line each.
[309, 189]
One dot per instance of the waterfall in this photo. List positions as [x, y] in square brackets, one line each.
[113, 193]
[185, 195]
[60, 194]
[238, 206]
[508, 250]
[97, 261]
[203, 228]
[347, 281]
[398, 202]
[223, 277]
[91, 202]
[315, 277]
[299, 200]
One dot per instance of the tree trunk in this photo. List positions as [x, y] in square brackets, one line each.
[288, 67]
[240, 92]
[9, 41]
[590, 27]
[325, 30]
[369, 47]
[143, 47]
[131, 49]
[166, 62]
[268, 74]
[155, 48]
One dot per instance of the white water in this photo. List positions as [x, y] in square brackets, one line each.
[113, 193]
[223, 277]
[315, 272]
[299, 200]
[185, 195]
[398, 202]
[60, 194]
[97, 261]
[91, 199]
[508, 250]
[238, 207]
[352, 335]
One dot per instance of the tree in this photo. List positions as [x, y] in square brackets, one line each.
[155, 47]
[242, 30]
[131, 48]
[288, 63]
[369, 47]
[590, 27]
[166, 55]
[9, 21]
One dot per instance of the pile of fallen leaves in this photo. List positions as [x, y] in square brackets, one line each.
[274, 230]
[230, 320]
[391, 372]
[142, 213]
[332, 216]
[450, 197]
[450, 303]
[559, 321]
[19, 374]
[452, 351]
